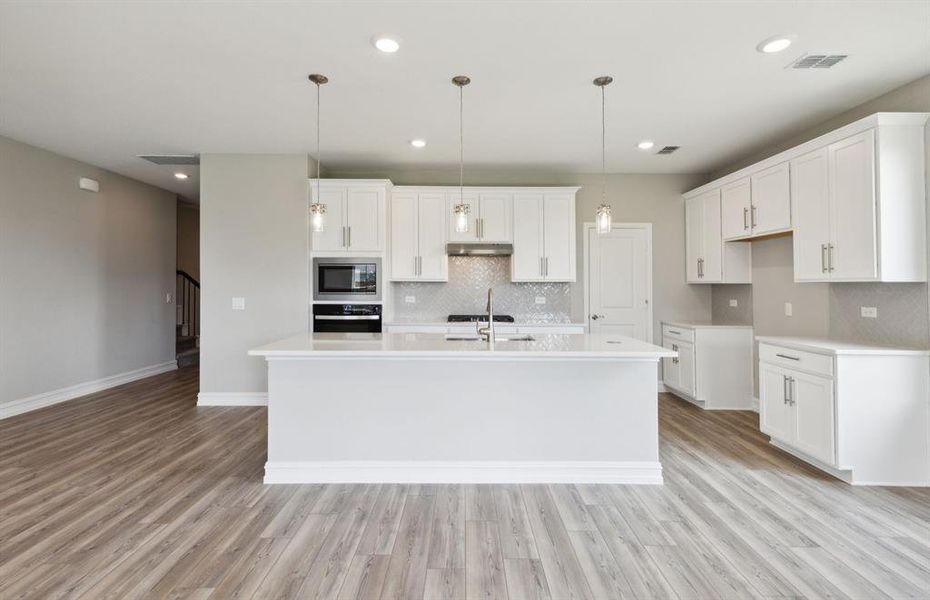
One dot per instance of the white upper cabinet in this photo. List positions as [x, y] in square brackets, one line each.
[771, 200]
[757, 205]
[354, 220]
[489, 216]
[708, 258]
[418, 240]
[543, 236]
[853, 199]
[860, 209]
[736, 204]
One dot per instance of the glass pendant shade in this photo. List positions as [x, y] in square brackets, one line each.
[603, 218]
[460, 214]
[317, 216]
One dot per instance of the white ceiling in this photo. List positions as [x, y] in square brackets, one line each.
[105, 81]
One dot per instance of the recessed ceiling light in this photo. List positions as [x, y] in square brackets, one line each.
[181, 175]
[645, 144]
[775, 44]
[418, 143]
[386, 44]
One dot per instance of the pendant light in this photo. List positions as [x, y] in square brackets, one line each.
[317, 208]
[461, 209]
[603, 217]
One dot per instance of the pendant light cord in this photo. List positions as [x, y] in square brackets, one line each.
[603, 147]
[319, 159]
[461, 145]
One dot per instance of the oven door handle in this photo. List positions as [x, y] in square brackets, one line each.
[347, 317]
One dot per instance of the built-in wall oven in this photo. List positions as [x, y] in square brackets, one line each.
[347, 318]
[347, 279]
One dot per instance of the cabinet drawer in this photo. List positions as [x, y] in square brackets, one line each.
[671, 332]
[797, 359]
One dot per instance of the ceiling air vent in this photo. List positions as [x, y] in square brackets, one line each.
[171, 159]
[817, 61]
[668, 149]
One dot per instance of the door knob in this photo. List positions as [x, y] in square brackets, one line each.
[595, 317]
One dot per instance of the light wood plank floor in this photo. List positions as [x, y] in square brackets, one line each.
[135, 492]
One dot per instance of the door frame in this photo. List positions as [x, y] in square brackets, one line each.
[647, 228]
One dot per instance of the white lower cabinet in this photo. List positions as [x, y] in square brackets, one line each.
[714, 364]
[861, 413]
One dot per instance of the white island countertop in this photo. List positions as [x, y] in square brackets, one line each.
[434, 345]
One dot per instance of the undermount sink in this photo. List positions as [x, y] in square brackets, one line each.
[504, 338]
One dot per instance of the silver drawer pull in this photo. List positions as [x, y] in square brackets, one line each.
[788, 357]
[675, 332]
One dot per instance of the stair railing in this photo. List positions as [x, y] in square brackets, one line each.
[187, 296]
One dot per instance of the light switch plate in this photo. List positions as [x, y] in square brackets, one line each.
[540, 299]
[734, 302]
[788, 309]
[238, 303]
[169, 297]
[410, 299]
[868, 312]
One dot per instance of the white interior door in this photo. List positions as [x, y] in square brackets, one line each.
[620, 281]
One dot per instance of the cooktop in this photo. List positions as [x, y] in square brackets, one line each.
[474, 318]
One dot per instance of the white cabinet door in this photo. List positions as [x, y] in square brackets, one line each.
[735, 203]
[852, 211]
[431, 231]
[771, 200]
[670, 370]
[559, 237]
[811, 399]
[363, 220]
[404, 252]
[775, 414]
[694, 238]
[712, 255]
[526, 264]
[494, 212]
[686, 370]
[333, 236]
[810, 196]
[471, 199]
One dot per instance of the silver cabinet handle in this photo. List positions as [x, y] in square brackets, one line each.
[790, 391]
[546, 262]
[349, 230]
[745, 218]
[788, 357]
[830, 257]
[700, 267]
[347, 317]
[675, 332]
[345, 237]
[675, 348]
[784, 387]
[752, 214]
[823, 258]
[481, 221]
[542, 269]
[478, 228]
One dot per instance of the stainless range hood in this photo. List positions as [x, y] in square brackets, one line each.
[471, 249]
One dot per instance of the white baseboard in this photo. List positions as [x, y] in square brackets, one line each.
[662, 388]
[22, 405]
[755, 404]
[232, 399]
[644, 473]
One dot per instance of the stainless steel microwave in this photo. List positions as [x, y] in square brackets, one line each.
[347, 279]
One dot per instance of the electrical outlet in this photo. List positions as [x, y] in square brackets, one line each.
[238, 303]
[734, 303]
[788, 309]
[410, 299]
[540, 299]
[868, 312]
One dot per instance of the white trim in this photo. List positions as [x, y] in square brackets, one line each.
[662, 388]
[232, 399]
[755, 404]
[864, 124]
[647, 227]
[23, 405]
[642, 473]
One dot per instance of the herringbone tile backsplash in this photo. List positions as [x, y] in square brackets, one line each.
[466, 293]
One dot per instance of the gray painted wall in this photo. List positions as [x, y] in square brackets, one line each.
[83, 276]
[652, 199]
[253, 244]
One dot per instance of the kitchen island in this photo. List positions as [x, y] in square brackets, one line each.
[424, 408]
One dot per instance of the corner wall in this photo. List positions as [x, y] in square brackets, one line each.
[83, 279]
[254, 245]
